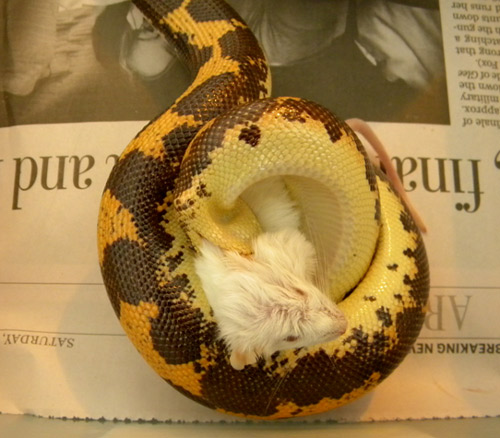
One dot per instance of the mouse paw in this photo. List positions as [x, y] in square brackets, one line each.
[240, 358]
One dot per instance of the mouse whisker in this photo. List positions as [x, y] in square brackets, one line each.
[276, 388]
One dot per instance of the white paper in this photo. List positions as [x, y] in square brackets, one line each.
[64, 354]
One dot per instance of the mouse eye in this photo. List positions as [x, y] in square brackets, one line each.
[299, 292]
[291, 338]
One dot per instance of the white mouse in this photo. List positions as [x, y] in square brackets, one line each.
[268, 302]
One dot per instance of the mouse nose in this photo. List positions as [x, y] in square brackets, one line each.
[339, 328]
[342, 329]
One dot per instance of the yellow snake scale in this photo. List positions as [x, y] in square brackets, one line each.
[146, 256]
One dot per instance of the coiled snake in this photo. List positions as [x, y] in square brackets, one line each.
[168, 190]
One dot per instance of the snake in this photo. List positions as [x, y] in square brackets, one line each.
[180, 180]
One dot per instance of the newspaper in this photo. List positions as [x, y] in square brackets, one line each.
[78, 86]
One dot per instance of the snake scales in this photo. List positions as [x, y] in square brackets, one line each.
[168, 190]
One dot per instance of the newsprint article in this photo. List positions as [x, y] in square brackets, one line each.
[79, 78]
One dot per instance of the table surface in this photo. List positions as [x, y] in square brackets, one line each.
[22, 426]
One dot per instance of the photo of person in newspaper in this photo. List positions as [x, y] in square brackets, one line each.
[99, 60]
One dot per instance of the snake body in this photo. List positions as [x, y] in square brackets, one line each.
[180, 180]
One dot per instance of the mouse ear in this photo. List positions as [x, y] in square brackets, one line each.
[240, 358]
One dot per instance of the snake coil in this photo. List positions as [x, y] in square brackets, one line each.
[186, 169]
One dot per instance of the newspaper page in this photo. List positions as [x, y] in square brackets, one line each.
[80, 78]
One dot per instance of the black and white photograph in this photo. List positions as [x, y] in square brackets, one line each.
[77, 61]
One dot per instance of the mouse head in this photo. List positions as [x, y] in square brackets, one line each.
[269, 316]
[271, 302]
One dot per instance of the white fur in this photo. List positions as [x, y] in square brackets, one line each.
[267, 302]
[272, 205]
